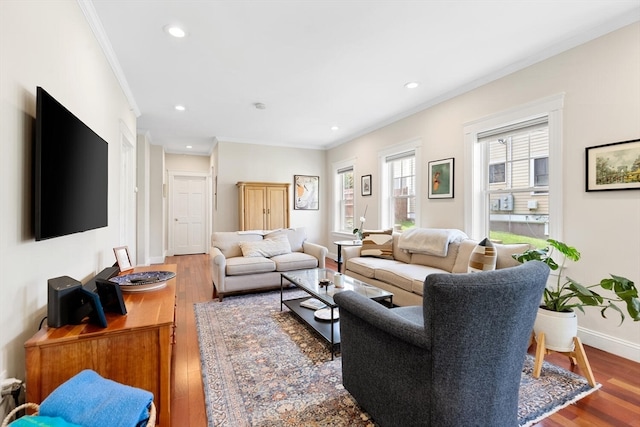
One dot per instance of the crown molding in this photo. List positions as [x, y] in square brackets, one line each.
[92, 18]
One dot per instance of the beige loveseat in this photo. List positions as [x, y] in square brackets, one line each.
[403, 271]
[251, 260]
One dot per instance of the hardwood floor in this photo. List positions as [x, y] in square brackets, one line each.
[617, 403]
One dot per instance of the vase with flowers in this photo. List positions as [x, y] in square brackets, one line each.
[358, 232]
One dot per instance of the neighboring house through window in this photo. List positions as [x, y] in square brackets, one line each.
[344, 185]
[514, 162]
[399, 186]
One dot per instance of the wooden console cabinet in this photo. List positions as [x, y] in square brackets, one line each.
[134, 349]
[263, 205]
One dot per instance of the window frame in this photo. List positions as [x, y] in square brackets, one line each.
[476, 205]
[338, 219]
[386, 181]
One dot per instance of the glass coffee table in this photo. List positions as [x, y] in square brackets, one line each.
[325, 322]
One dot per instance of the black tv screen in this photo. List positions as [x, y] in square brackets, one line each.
[70, 172]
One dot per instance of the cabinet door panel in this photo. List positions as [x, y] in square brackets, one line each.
[255, 208]
[278, 208]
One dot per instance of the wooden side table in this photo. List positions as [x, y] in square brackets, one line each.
[134, 349]
[340, 244]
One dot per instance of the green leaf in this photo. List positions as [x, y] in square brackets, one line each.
[568, 251]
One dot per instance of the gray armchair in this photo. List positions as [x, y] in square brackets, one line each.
[455, 361]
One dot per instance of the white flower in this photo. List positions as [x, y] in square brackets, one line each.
[362, 220]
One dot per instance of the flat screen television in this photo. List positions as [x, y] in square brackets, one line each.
[71, 171]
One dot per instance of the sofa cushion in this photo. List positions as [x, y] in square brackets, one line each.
[404, 276]
[237, 266]
[483, 257]
[445, 263]
[228, 241]
[377, 244]
[366, 266]
[464, 253]
[294, 261]
[273, 244]
[417, 285]
[297, 237]
[504, 252]
[400, 254]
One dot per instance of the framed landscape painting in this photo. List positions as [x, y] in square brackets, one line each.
[441, 179]
[614, 166]
[306, 192]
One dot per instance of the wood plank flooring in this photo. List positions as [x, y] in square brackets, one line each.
[617, 403]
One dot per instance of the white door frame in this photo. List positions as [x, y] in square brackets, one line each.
[207, 215]
[128, 190]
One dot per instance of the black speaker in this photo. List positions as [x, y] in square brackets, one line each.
[61, 300]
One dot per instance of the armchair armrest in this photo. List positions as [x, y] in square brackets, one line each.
[380, 317]
[318, 251]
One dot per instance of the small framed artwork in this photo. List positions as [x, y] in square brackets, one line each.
[365, 185]
[122, 258]
[441, 179]
[614, 166]
[306, 192]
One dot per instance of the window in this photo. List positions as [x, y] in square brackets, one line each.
[401, 182]
[496, 173]
[515, 177]
[345, 190]
[518, 208]
[540, 171]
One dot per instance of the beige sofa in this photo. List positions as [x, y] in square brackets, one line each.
[403, 271]
[251, 260]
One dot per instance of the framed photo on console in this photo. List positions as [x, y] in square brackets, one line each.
[614, 166]
[123, 259]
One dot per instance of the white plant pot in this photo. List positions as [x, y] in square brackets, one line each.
[559, 328]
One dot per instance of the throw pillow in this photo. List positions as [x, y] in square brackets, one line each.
[483, 257]
[379, 245]
[272, 245]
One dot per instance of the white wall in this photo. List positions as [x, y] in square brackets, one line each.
[601, 83]
[48, 44]
[249, 162]
[186, 163]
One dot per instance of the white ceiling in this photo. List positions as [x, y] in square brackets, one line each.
[322, 63]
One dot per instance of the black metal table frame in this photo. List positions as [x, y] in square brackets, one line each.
[326, 329]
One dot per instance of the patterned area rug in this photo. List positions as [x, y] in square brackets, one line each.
[263, 367]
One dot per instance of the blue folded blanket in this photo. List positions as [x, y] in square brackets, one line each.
[40, 421]
[92, 401]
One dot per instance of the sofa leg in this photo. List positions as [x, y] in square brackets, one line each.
[215, 293]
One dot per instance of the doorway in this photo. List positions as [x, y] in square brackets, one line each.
[188, 213]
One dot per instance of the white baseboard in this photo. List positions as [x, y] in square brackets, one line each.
[627, 349]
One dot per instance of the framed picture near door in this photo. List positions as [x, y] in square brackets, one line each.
[441, 179]
[306, 192]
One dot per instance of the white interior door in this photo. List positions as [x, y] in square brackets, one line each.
[189, 201]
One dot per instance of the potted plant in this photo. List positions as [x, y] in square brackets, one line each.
[556, 316]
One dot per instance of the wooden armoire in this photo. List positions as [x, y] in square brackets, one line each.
[263, 205]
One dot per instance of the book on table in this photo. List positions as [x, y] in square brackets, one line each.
[313, 304]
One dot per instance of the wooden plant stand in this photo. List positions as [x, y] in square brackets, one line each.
[577, 356]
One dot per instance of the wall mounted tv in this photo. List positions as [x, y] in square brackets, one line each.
[70, 173]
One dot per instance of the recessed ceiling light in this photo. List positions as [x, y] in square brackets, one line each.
[189, 146]
[180, 107]
[334, 128]
[175, 31]
[411, 85]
